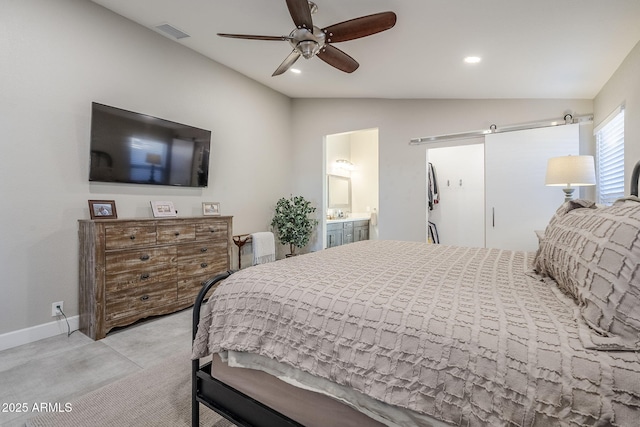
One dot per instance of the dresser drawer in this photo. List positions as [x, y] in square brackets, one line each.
[119, 237]
[205, 249]
[189, 287]
[176, 233]
[216, 230]
[201, 259]
[125, 269]
[139, 299]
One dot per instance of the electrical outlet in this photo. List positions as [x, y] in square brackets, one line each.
[56, 308]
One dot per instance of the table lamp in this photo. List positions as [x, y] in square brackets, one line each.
[570, 171]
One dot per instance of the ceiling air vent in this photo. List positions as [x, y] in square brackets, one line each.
[171, 31]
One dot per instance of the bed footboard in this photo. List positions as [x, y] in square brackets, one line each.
[232, 404]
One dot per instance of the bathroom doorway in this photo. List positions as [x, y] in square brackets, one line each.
[351, 179]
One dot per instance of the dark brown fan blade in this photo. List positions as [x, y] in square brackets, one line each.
[250, 37]
[300, 13]
[337, 58]
[287, 63]
[360, 27]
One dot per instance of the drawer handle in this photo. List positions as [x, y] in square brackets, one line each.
[204, 249]
[144, 297]
[132, 237]
[177, 233]
[204, 265]
[213, 230]
[144, 257]
[145, 276]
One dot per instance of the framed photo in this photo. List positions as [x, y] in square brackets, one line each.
[163, 209]
[102, 209]
[210, 208]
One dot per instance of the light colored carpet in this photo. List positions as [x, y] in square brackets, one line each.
[156, 396]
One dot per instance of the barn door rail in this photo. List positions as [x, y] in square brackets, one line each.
[567, 119]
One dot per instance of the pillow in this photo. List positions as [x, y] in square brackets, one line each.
[560, 212]
[594, 256]
[567, 207]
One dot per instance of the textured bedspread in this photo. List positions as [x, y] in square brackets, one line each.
[465, 335]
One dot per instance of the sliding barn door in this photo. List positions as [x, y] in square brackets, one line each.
[517, 201]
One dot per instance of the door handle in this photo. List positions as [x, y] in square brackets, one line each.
[493, 217]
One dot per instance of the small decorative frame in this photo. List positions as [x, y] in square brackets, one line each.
[102, 209]
[163, 209]
[210, 208]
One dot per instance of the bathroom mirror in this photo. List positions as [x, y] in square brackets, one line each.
[339, 192]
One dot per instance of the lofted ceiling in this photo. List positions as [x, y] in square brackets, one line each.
[529, 48]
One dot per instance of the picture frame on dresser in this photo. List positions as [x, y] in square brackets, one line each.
[211, 208]
[102, 209]
[162, 209]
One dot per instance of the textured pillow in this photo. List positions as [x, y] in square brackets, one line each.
[594, 256]
[560, 212]
[565, 208]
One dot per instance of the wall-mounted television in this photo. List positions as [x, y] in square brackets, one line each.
[136, 148]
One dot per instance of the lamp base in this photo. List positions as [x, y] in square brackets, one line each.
[568, 193]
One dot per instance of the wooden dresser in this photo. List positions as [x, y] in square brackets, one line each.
[132, 269]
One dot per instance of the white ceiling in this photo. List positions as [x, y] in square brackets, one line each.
[529, 48]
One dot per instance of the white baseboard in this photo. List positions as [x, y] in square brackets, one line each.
[36, 333]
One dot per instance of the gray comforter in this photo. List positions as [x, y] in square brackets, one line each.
[466, 335]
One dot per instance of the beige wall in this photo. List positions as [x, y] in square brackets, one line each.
[364, 154]
[56, 58]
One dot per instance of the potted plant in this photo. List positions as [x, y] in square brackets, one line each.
[291, 222]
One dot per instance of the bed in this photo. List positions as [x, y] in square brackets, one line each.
[411, 334]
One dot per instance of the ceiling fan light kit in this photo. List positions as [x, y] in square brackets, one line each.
[308, 40]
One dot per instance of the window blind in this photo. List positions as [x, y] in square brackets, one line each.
[610, 158]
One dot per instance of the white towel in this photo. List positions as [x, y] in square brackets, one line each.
[373, 219]
[264, 247]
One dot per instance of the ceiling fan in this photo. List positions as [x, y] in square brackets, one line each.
[308, 40]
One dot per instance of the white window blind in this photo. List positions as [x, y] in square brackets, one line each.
[610, 158]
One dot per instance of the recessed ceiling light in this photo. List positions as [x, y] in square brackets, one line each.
[472, 59]
[295, 70]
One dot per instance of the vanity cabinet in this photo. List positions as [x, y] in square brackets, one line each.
[345, 231]
[132, 269]
[334, 234]
[360, 230]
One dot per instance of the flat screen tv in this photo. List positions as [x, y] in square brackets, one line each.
[135, 148]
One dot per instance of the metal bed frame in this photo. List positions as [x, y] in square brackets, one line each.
[232, 404]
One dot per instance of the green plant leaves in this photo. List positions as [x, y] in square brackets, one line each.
[291, 221]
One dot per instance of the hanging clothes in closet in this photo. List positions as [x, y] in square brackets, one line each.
[433, 196]
[432, 187]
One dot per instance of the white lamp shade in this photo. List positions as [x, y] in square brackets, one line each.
[154, 159]
[571, 171]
